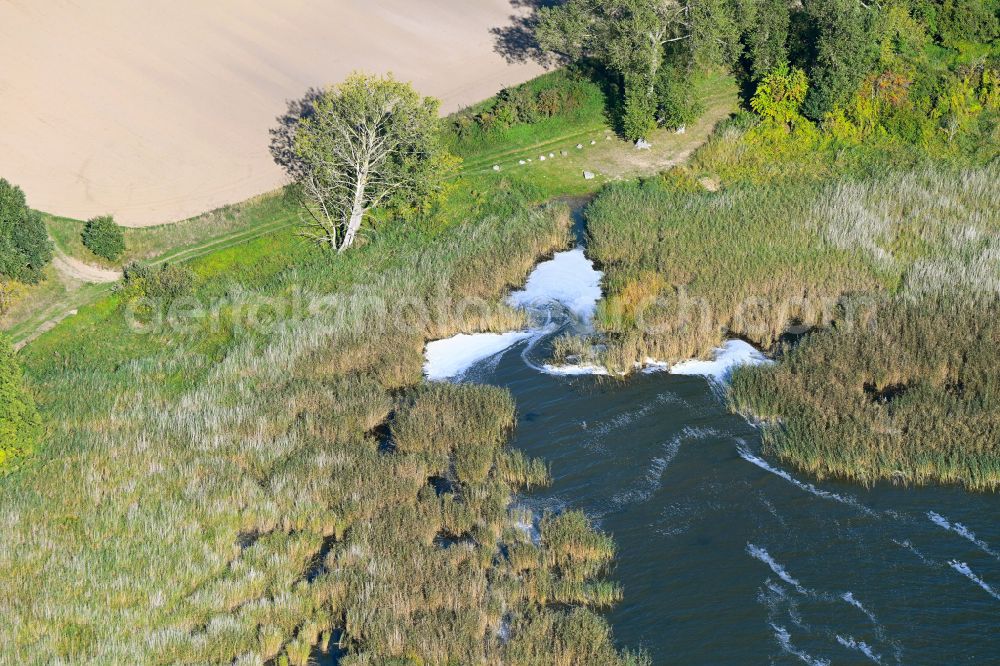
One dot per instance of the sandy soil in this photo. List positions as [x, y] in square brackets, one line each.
[158, 110]
[74, 269]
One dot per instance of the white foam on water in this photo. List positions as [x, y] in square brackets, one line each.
[785, 641]
[654, 475]
[732, 354]
[963, 568]
[761, 554]
[569, 278]
[529, 530]
[908, 545]
[850, 598]
[451, 357]
[745, 453]
[860, 646]
[778, 595]
[651, 365]
[573, 370]
[962, 531]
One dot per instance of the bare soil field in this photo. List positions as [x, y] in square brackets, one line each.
[157, 111]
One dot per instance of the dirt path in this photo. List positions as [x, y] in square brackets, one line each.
[74, 269]
[607, 156]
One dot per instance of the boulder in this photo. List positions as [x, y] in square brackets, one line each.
[589, 175]
[642, 144]
[496, 167]
[680, 130]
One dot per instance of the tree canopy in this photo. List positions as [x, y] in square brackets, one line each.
[371, 141]
[25, 248]
[652, 46]
[649, 44]
[104, 238]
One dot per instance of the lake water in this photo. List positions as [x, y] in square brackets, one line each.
[729, 557]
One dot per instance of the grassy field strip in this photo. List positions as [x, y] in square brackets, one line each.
[28, 330]
[618, 158]
[542, 145]
[485, 163]
[224, 242]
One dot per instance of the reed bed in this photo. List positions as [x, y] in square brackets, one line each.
[892, 273]
[684, 270]
[225, 493]
[911, 395]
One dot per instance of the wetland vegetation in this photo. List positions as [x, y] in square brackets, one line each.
[237, 457]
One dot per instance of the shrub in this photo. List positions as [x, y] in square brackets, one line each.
[24, 243]
[676, 105]
[780, 94]
[173, 281]
[141, 280]
[20, 425]
[522, 101]
[640, 114]
[104, 238]
[11, 292]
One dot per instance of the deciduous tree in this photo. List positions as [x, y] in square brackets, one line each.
[367, 142]
[24, 243]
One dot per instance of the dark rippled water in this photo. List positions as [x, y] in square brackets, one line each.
[727, 557]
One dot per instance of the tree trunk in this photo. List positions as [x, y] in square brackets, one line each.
[353, 225]
[357, 209]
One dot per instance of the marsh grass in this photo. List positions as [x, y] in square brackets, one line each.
[685, 269]
[217, 492]
[909, 396]
[889, 258]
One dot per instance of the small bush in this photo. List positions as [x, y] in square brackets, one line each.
[104, 238]
[20, 425]
[143, 281]
[640, 119]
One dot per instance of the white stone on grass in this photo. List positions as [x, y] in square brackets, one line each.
[589, 175]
